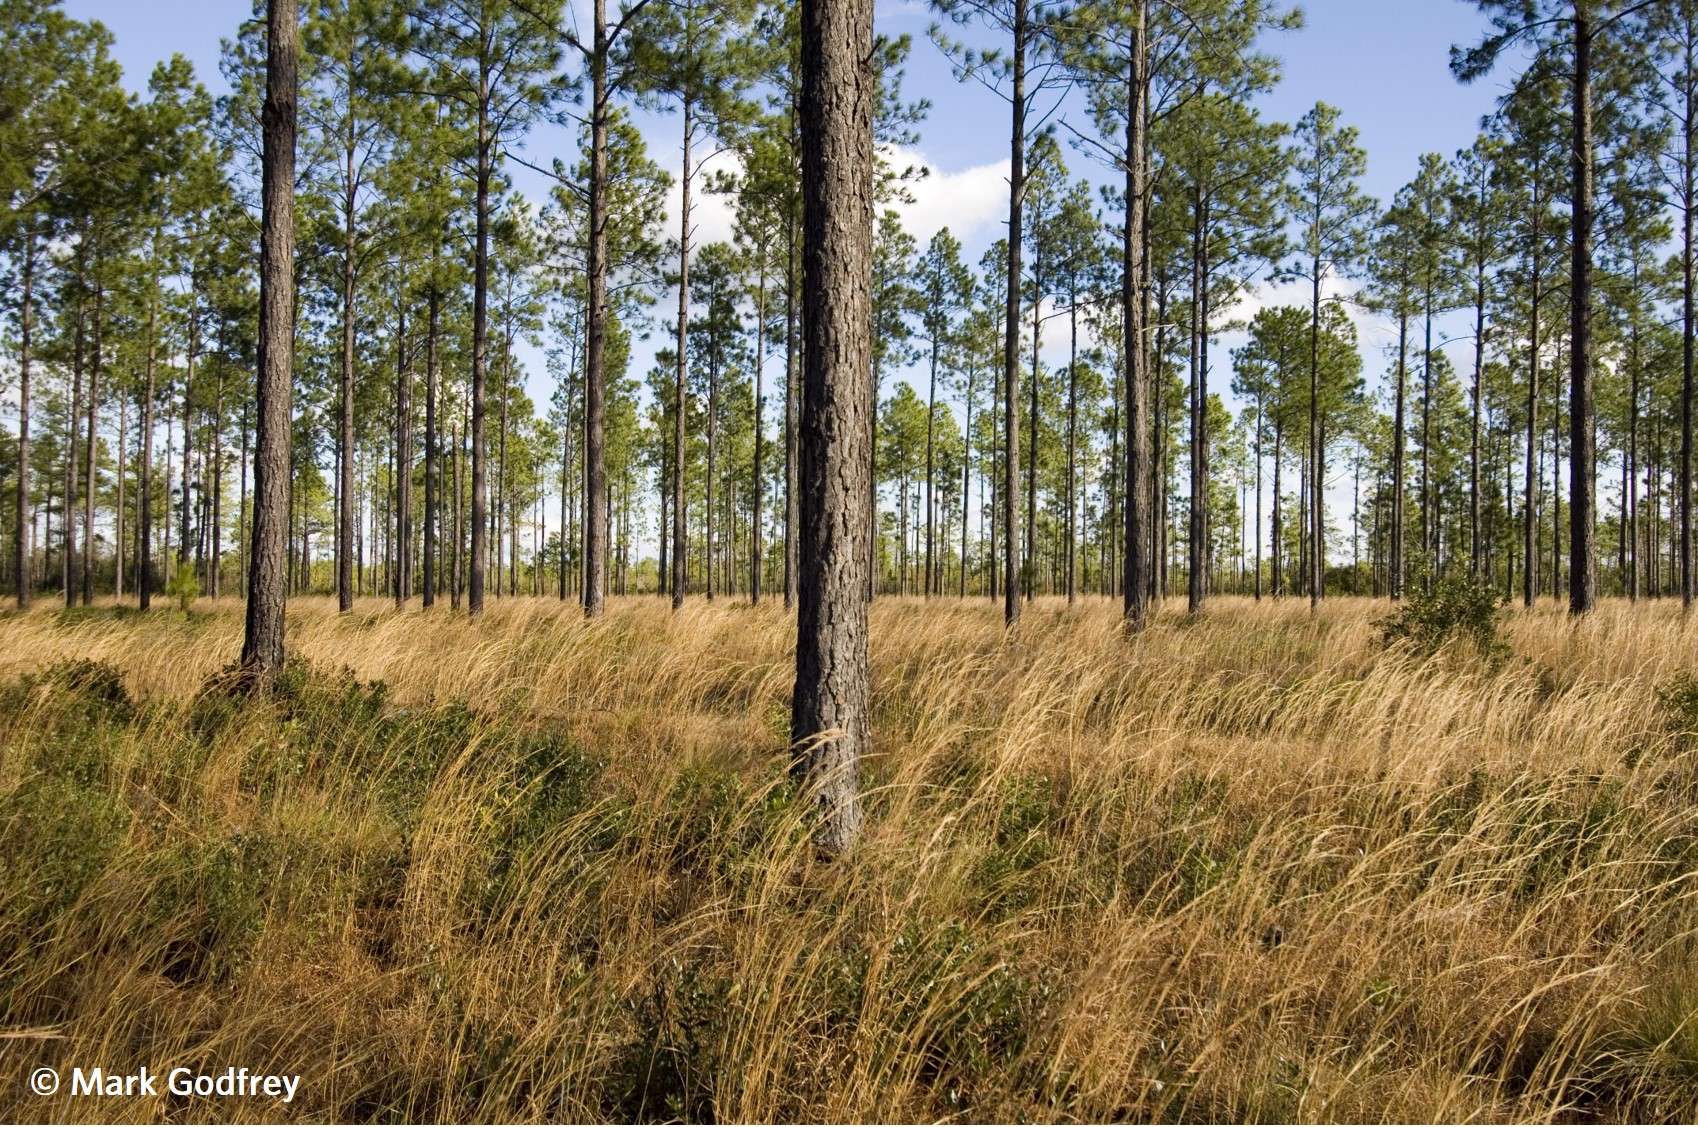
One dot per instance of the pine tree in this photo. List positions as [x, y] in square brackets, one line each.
[1029, 36]
[1479, 214]
[1333, 217]
[829, 727]
[945, 286]
[262, 645]
[1674, 28]
[691, 56]
[1566, 36]
[495, 62]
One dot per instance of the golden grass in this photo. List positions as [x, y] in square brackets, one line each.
[1247, 867]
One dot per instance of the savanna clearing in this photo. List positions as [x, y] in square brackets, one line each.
[1255, 866]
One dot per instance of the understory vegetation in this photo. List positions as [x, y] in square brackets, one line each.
[1248, 866]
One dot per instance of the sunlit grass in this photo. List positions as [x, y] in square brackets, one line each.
[1252, 866]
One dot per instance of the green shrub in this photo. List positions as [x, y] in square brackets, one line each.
[185, 588]
[1679, 703]
[1453, 606]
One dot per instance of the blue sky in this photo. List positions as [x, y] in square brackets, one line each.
[1384, 63]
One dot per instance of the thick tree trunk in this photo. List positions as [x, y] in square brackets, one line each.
[1582, 456]
[595, 333]
[262, 645]
[829, 723]
[1136, 512]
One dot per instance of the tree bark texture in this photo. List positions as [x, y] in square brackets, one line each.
[829, 724]
[262, 645]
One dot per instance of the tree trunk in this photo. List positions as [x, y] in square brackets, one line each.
[760, 436]
[1029, 573]
[966, 476]
[1582, 441]
[184, 509]
[792, 518]
[1277, 544]
[1429, 545]
[345, 441]
[1317, 460]
[595, 332]
[1259, 412]
[21, 551]
[1476, 548]
[92, 460]
[1011, 326]
[118, 507]
[68, 525]
[431, 469]
[1689, 128]
[679, 576]
[478, 557]
[262, 645]
[1073, 439]
[1398, 452]
[1530, 504]
[829, 723]
[1197, 540]
[403, 462]
[1136, 511]
[931, 464]
[708, 556]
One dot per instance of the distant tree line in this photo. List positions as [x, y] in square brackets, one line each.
[1046, 420]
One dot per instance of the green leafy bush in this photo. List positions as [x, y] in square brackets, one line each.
[1453, 606]
[185, 588]
[1679, 703]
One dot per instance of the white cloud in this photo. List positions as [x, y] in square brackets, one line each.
[711, 216]
[972, 202]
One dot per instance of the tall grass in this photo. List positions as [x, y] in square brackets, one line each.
[1249, 867]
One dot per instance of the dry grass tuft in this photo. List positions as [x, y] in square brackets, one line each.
[1248, 867]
